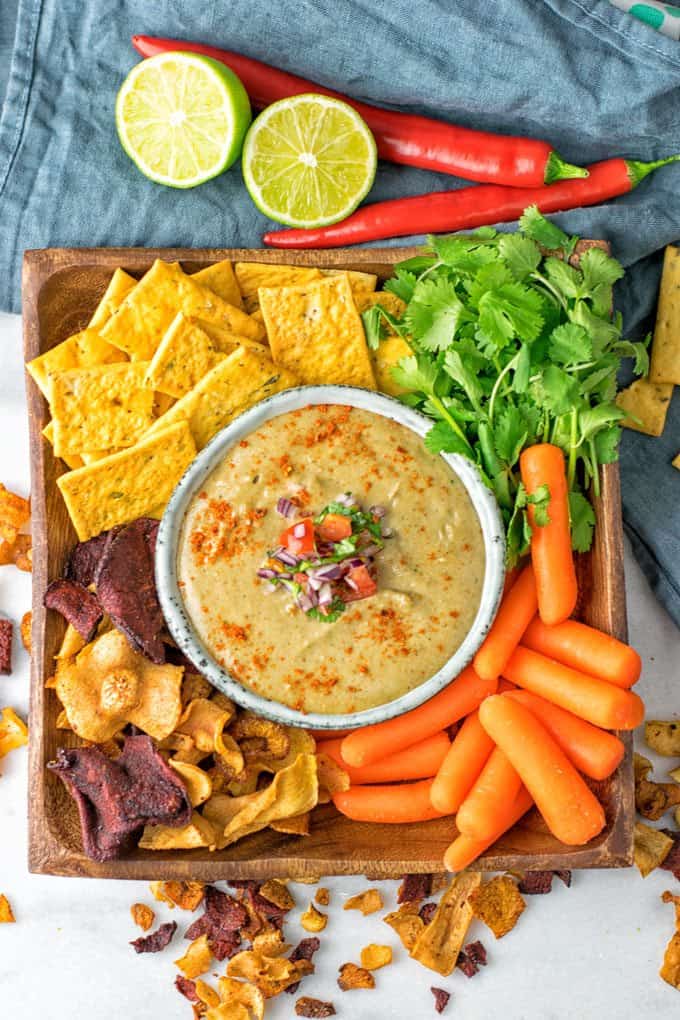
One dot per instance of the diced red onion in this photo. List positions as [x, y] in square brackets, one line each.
[387, 532]
[356, 561]
[325, 595]
[377, 511]
[284, 556]
[345, 499]
[285, 507]
[266, 573]
[269, 588]
[304, 602]
[314, 582]
[332, 572]
[299, 530]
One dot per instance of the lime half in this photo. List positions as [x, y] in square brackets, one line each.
[308, 161]
[182, 118]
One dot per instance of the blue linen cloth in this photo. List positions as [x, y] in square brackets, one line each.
[582, 73]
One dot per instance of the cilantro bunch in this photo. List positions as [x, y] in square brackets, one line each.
[513, 346]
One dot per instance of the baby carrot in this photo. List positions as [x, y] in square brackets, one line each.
[585, 648]
[464, 849]
[393, 804]
[571, 811]
[462, 696]
[497, 785]
[419, 761]
[594, 700]
[517, 610]
[595, 752]
[543, 464]
[460, 768]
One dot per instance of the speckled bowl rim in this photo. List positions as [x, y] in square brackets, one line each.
[177, 618]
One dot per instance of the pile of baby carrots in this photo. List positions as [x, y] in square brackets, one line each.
[536, 706]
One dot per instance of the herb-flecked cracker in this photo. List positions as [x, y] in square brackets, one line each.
[99, 408]
[139, 324]
[128, 484]
[120, 285]
[82, 350]
[236, 383]
[221, 280]
[183, 357]
[253, 275]
[648, 402]
[361, 284]
[315, 331]
[665, 363]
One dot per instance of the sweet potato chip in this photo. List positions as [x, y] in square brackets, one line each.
[270, 943]
[277, 893]
[438, 944]
[353, 977]
[197, 833]
[13, 731]
[157, 941]
[313, 1007]
[663, 737]
[652, 799]
[109, 684]
[71, 644]
[228, 1011]
[85, 557]
[242, 992]
[19, 552]
[197, 959]
[6, 632]
[498, 904]
[296, 825]
[646, 404]
[205, 993]
[79, 607]
[407, 923]
[197, 781]
[25, 630]
[14, 513]
[332, 778]
[185, 895]
[270, 974]
[120, 285]
[373, 957]
[367, 902]
[651, 847]
[6, 915]
[203, 720]
[82, 350]
[221, 280]
[253, 275]
[142, 915]
[313, 920]
[670, 970]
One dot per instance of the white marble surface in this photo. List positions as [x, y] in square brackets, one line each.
[588, 952]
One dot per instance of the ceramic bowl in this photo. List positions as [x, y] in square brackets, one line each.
[180, 624]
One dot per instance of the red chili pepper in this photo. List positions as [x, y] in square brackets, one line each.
[446, 211]
[400, 137]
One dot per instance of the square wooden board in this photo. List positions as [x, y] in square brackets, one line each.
[61, 288]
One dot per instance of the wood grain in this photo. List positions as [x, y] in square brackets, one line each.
[61, 288]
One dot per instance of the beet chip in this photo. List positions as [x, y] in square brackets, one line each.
[427, 912]
[5, 647]
[85, 557]
[187, 988]
[116, 799]
[564, 876]
[536, 883]
[76, 604]
[441, 998]
[414, 888]
[313, 1007]
[126, 587]
[304, 950]
[157, 940]
[471, 958]
[222, 922]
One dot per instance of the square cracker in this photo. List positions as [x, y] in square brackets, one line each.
[238, 382]
[82, 350]
[676, 462]
[362, 284]
[71, 461]
[120, 285]
[665, 363]
[221, 280]
[139, 324]
[253, 275]
[185, 354]
[128, 484]
[315, 331]
[100, 407]
[648, 402]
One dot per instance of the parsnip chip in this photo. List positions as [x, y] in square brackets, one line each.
[138, 325]
[439, 943]
[221, 280]
[407, 923]
[313, 920]
[244, 993]
[367, 902]
[120, 285]
[82, 350]
[332, 778]
[663, 737]
[373, 957]
[316, 333]
[497, 903]
[227, 1011]
[297, 825]
[198, 833]
[270, 943]
[352, 977]
[185, 354]
[292, 791]
[299, 742]
[108, 685]
[6, 915]
[197, 781]
[647, 404]
[651, 848]
[670, 970]
[239, 381]
[253, 275]
[259, 739]
[271, 974]
[195, 686]
[142, 915]
[185, 895]
[13, 731]
[71, 644]
[25, 630]
[665, 361]
[277, 893]
[14, 513]
[653, 799]
[203, 720]
[206, 993]
[230, 756]
[197, 959]
[126, 485]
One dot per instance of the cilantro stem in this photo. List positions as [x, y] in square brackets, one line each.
[435, 400]
[594, 467]
[549, 287]
[494, 392]
[573, 433]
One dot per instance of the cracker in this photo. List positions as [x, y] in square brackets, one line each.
[253, 275]
[392, 303]
[128, 484]
[100, 408]
[315, 331]
[665, 363]
[82, 350]
[120, 285]
[71, 460]
[238, 382]
[361, 284]
[221, 280]
[185, 354]
[648, 402]
[139, 324]
[676, 462]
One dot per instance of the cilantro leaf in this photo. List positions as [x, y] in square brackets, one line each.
[520, 379]
[462, 374]
[442, 439]
[521, 254]
[582, 522]
[508, 311]
[556, 391]
[433, 312]
[416, 372]
[540, 500]
[607, 444]
[602, 331]
[464, 254]
[592, 419]
[485, 233]
[535, 226]
[563, 276]
[635, 349]
[598, 268]
[570, 344]
[373, 327]
[334, 611]
[402, 284]
[510, 434]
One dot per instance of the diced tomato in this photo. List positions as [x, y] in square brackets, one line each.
[301, 578]
[299, 538]
[366, 586]
[334, 528]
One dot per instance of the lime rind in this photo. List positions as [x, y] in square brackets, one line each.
[308, 161]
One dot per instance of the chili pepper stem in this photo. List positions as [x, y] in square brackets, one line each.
[637, 170]
[557, 169]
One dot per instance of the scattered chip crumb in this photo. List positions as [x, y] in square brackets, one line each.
[6, 629]
[322, 896]
[663, 737]
[367, 902]
[498, 904]
[25, 630]
[158, 939]
[313, 919]
[142, 915]
[313, 1007]
[652, 800]
[6, 915]
[197, 959]
[670, 970]
[651, 848]
[471, 958]
[441, 999]
[352, 977]
[373, 956]
[276, 892]
[414, 888]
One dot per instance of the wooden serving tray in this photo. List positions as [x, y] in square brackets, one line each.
[61, 288]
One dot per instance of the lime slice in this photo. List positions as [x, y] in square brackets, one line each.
[308, 161]
[182, 118]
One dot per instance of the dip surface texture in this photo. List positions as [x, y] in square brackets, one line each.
[430, 572]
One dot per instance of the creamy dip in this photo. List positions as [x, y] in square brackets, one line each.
[429, 573]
